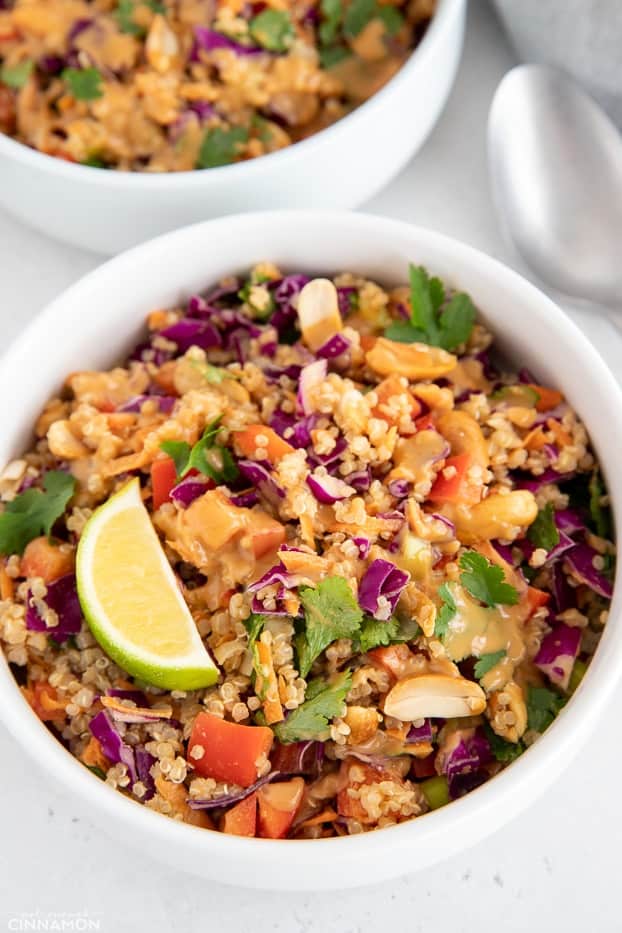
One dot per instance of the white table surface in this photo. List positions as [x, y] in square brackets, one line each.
[556, 868]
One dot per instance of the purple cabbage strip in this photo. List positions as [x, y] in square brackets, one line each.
[399, 488]
[189, 489]
[226, 800]
[208, 40]
[535, 483]
[144, 763]
[363, 544]
[465, 782]
[334, 347]
[328, 489]
[569, 521]
[470, 754]
[62, 597]
[563, 593]
[382, 578]
[421, 733]
[277, 574]
[113, 746]
[259, 475]
[191, 332]
[360, 479]
[341, 446]
[580, 559]
[166, 403]
[557, 653]
[344, 298]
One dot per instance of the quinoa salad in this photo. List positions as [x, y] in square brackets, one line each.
[178, 85]
[394, 555]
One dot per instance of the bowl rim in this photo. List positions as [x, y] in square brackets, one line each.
[533, 772]
[12, 148]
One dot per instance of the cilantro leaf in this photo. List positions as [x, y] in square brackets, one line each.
[331, 612]
[374, 633]
[404, 332]
[600, 514]
[392, 19]
[502, 750]
[254, 625]
[84, 83]
[487, 661]
[332, 11]
[34, 512]
[220, 146]
[542, 707]
[272, 29]
[97, 771]
[447, 611]
[206, 456]
[358, 14]
[324, 700]
[212, 374]
[333, 54]
[456, 321]
[429, 322]
[422, 303]
[94, 161]
[179, 451]
[543, 530]
[485, 581]
[16, 76]
[125, 15]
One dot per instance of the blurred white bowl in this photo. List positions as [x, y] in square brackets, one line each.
[340, 167]
[99, 319]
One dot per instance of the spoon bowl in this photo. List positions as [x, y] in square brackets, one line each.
[556, 168]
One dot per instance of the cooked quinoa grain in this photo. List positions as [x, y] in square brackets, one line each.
[399, 557]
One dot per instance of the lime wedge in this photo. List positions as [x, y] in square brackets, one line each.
[131, 599]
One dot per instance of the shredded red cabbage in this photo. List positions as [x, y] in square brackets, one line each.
[144, 764]
[382, 578]
[363, 544]
[113, 746]
[226, 800]
[62, 598]
[259, 475]
[328, 489]
[557, 653]
[334, 347]
[421, 733]
[191, 332]
[209, 40]
[581, 561]
[535, 483]
[165, 402]
[189, 489]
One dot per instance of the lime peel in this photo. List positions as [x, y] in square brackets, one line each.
[131, 599]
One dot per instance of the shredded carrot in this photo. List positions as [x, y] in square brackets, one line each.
[274, 448]
[266, 684]
[6, 584]
[93, 755]
[118, 420]
[548, 398]
[165, 377]
[44, 701]
[326, 816]
[125, 464]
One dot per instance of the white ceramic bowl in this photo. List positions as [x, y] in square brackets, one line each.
[97, 320]
[344, 165]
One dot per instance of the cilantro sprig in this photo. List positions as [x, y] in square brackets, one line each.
[254, 627]
[542, 707]
[324, 701]
[487, 661]
[83, 83]
[330, 612]
[221, 146]
[272, 29]
[502, 750]
[433, 320]
[206, 456]
[125, 15]
[362, 12]
[600, 515]
[375, 633]
[485, 581]
[543, 531]
[34, 512]
[446, 613]
[15, 76]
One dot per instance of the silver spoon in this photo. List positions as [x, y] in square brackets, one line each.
[556, 166]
